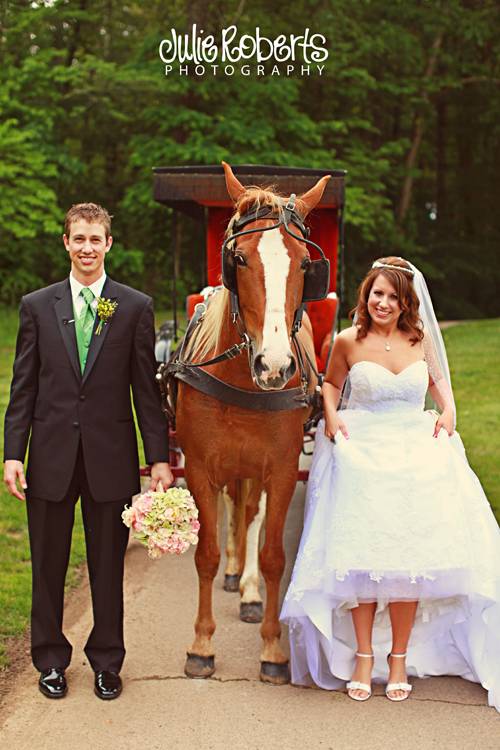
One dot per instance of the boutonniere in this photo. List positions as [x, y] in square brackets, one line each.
[105, 311]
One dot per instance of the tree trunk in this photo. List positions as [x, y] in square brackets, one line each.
[75, 40]
[441, 165]
[418, 129]
[177, 248]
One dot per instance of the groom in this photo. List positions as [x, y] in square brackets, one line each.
[74, 367]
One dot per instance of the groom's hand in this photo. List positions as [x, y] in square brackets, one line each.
[12, 472]
[160, 472]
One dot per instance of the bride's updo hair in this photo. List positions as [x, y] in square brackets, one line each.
[402, 281]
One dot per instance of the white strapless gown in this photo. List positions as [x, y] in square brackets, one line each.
[394, 514]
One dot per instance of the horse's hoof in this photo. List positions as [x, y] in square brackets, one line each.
[251, 611]
[232, 582]
[275, 674]
[199, 667]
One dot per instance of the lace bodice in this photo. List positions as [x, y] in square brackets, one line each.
[375, 388]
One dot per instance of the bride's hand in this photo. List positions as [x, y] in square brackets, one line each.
[445, 420]
[333, 425]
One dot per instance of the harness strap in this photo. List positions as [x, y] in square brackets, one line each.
[163, 383]
[286, 216]
[287, 400]
[199, 311]
[302, 352]
[230, 353]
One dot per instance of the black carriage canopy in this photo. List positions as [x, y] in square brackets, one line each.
[200, 192]
[190, 188]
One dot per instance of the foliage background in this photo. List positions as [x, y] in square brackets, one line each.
[409, 104]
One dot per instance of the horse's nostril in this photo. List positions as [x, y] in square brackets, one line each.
[288, 371]
[259, 365]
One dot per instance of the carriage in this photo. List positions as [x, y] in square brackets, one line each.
[270, 274]
[199, 193]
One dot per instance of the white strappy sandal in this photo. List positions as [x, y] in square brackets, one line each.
[355, 685]
[391, 686]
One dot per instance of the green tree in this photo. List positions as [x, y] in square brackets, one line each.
[408, 104]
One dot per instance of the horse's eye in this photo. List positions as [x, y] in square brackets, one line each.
[240, 259]
[305, 264]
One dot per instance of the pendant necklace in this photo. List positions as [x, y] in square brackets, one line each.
[387, 346]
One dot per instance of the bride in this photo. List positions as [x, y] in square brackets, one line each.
[398, 570]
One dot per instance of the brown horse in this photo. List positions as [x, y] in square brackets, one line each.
[225, 443]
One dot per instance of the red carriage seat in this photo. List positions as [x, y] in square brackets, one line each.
[322, 315]
[191, 302]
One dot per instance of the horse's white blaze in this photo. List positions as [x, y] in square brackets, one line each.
[276, 262]
[249, 583]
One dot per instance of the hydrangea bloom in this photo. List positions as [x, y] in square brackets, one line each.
[164, 522]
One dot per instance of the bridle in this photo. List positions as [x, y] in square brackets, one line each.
[316, 286]
[316, 277]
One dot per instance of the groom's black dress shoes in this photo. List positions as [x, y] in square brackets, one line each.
[52, 683]
[108, 685]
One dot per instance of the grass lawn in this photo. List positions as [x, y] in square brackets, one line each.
[474, 353]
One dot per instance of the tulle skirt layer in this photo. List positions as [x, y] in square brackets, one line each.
[394, 514]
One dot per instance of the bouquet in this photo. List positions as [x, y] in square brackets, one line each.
[163, 521]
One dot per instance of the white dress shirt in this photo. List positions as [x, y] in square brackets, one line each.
[76, 288]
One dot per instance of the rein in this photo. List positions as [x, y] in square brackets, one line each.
[230, 353]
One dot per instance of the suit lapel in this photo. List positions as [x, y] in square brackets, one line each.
[63, 308]
[96, 342]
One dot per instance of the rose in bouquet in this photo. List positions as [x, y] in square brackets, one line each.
[164, 521]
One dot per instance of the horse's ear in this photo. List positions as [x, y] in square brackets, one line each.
[234, 186]
[308, 201]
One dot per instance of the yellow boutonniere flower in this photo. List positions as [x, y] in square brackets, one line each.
[105, 310]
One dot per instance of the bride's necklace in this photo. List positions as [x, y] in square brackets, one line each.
[387, 343]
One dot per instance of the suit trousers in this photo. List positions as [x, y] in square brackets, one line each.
[50, 527]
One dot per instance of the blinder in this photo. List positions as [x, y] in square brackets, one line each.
[229, 271]
[317, 274]
[316, 280]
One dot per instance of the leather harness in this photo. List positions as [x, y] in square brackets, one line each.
[192, 373]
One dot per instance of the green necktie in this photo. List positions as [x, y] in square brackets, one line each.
[84, 326]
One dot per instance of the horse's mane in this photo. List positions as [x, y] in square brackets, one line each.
[206, 336]
[255, 197]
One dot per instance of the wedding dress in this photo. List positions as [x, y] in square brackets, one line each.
[395, 514]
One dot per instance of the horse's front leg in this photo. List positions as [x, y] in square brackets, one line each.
[200, 660]
[274, 663]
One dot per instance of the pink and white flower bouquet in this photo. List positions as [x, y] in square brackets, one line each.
[164, 521]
